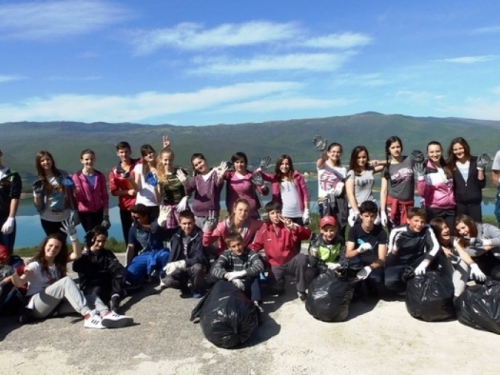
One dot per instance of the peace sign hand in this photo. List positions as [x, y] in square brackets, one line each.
[166, 141]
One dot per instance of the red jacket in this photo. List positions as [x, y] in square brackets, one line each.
[117, 182]
[278, 242]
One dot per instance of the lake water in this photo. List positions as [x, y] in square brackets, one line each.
[30, 232]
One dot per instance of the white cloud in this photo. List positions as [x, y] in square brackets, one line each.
[38, 20]
[192, 36]
[368, 80]
[487, 30]
[469, 59]
[340, 40]
[480, 108]
[283, 103]
[305, 62]
[418, 97]
[136, 108]
[10, 78]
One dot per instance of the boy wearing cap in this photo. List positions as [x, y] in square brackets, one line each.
[367, 246]
[325, 248]
[10, 192]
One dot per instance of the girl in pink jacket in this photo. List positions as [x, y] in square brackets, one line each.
[91, 193]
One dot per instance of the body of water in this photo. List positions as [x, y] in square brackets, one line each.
[30, 232]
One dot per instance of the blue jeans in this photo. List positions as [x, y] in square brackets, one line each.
[145, 263]
[376, 277]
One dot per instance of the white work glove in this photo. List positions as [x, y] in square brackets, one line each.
[364, 247]
[383, 218]
[171, 267]
[306, 216]
[221, 169]
[353, 216]
[476, 272]
[8, 226]
[183, 204]
[364, 273]
[230, 276]
[339, 188]
[181, 176]
[422, 267]
[238, 284]
[68, 227]
[163, 216]
[257, 179]
[105, 221]
[333, 266]
[210, 222]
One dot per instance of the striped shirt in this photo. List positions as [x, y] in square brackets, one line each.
[229, 262]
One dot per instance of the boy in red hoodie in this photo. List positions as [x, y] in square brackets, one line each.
[279, 238]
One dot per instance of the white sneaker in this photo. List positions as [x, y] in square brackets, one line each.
[93, 320]
[114, 320]
[163, 285]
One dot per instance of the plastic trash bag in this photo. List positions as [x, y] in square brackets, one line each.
[479, 306]
[227, 316]
[429, 297]
[329, 297]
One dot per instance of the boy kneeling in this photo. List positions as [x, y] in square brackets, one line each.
[367, 247]
[241, 267]
[185, 269]
[279, 238]
[413, 245]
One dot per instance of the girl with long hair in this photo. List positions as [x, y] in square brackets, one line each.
[145, 181]
[289, 188]
[240, 184]
[468, 178]
[331, 182]
[455, 261]
[52, 194]
[435, 185]
[172, 182]
[239, 221]
[51, 291]
[397, 187]
[482, 243]
[360, 180]
[91, 193]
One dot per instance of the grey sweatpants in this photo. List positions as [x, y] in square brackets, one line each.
[459, 273]
[64, 296]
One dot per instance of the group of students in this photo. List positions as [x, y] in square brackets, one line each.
[188, 247]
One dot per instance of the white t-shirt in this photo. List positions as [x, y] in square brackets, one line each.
[146, 195]
[40, 280]
[53, 204]
[328, 178]
[290, 200]
[496, 162]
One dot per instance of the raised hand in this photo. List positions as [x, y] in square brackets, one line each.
[210, 222]
[417, 156]
[320, 143]
[68, 227]
[164, 214]
[257, 179]
[221, 169]
[151, 178]
[181, 176]
[482, 161]
[166, 141]
[264, 163]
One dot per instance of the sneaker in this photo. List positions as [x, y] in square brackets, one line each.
[114, 320]
[196, 295]
[114, 304]
[302, 296]
[163, 284]
[93, 320]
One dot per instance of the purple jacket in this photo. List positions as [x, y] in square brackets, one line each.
[206, 194]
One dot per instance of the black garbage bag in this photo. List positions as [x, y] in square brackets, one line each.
[479, 306]
[429, 297]
[329, 297]
[227, 316]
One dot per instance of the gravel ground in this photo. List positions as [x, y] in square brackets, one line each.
[379, 337]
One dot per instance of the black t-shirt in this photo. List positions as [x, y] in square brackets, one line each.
[375, 237]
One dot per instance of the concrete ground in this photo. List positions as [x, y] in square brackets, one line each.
[380, 337]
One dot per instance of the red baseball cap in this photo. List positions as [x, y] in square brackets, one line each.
[327, 220]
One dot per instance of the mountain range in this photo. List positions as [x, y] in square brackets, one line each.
[20, 141]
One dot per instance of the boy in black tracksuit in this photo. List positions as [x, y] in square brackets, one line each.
[413, 245]
[186, 263]
[99, 271]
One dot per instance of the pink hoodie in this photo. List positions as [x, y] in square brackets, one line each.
[90, 199]
[300, 184]
[436, 191]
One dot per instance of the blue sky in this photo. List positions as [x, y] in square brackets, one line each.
[225, 61]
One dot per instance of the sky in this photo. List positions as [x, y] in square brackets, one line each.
[207, 62]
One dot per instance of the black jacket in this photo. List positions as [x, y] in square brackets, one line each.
[468, 191]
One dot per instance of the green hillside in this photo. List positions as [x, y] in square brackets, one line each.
[65, 140]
